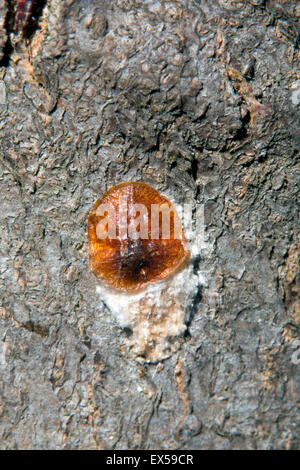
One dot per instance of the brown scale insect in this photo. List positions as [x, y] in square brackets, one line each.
[123, 262]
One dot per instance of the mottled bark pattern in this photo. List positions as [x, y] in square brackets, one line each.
[199, 99]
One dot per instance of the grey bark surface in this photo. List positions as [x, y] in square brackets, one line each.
[197, 98]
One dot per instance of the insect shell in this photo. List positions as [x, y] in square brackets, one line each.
[129, 264]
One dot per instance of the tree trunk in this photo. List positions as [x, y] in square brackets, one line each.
[199, 99]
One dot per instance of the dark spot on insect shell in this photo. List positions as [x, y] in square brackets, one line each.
[134, 260]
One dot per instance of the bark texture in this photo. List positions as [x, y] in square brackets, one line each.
[199, 99]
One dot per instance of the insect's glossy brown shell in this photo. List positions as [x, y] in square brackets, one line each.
[130, 264]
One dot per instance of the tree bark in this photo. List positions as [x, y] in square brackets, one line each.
[200, 99]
